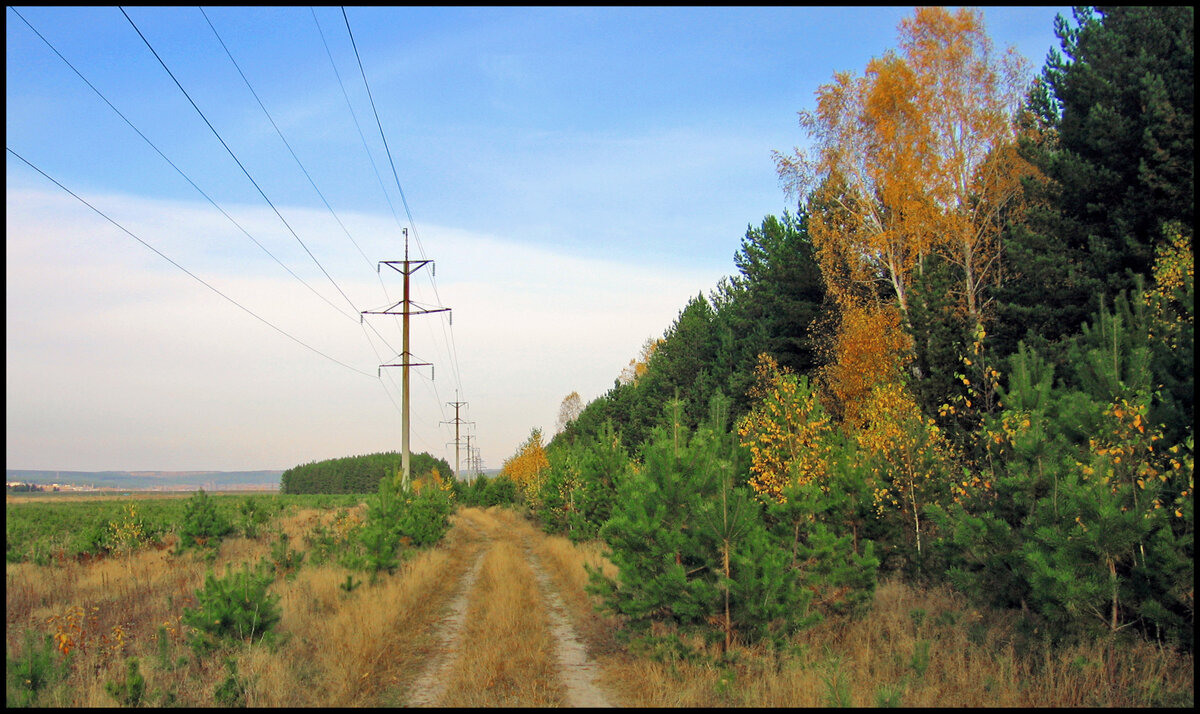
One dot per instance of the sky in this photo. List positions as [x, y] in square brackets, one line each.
[574, 175]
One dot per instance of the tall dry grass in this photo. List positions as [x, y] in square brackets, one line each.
[333, 648]
[917, 647]
[507, 653]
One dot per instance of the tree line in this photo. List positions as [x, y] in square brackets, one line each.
[967, 357]
[357, 474]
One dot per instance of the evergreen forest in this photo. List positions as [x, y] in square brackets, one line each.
[358, 474]
[966, 357]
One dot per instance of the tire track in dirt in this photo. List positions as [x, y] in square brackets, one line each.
[429, 687]
[577, 670]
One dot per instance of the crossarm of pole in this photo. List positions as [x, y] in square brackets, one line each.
[404, 358]
[410, 266]
[391, 310]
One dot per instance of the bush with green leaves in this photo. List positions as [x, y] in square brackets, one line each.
[237, 607]
[284, 560]
[129, 690]
[231, 692]
[1089, 523]
[33, 671]
[397, 519]
[691, 546]
[203, 523]
[576, 495]
[254, 514]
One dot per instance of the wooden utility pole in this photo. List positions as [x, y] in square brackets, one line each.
[406, 268]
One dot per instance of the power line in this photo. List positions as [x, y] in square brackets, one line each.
[311, 182]
[379, 124]
[449, 338]
[431, 384]
[354, 116]
[284, 139]
[212, 201]
[190, 273]
[235, 158]
[174, 166]
[242, 167]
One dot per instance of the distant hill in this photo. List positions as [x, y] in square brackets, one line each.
[159, 480]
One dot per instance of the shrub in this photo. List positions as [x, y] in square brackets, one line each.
[236, 607]
[129, 690]
[203, 524]
[395, 519]
[283, 559]
[253, 515]
[34, 670]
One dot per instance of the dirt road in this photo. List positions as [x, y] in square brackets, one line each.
[505, 638]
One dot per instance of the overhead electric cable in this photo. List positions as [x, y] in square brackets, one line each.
[354, 116]
[449, 338]
[190, 273]
[319, 193]
[379, 124]
[174, 166]
[236, 160]
[284, 139]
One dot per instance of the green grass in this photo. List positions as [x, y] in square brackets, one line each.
[47, 531]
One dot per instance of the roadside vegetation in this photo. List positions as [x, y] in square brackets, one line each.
[131, 629]
[933, 445]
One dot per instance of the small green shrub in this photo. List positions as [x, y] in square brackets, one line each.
[203, 525]
[888, 696]
[129, 690]
[232, 691]
[837, 687]
[164, 651]
[920, 658]
[36, 668]
[253, 515]
[236, 607]
[350, 583]
[283, 560]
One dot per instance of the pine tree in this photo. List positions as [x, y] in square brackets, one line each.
[203, 524]
[652, 536]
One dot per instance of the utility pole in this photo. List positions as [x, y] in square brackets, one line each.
[456, 424]
[469, 462]
[406, 268]
[472, 458]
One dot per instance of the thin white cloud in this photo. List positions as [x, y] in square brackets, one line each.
[116, 360]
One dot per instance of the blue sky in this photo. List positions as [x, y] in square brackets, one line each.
[577, 174]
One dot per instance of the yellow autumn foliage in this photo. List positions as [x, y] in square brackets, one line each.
[527, 466]
[787, 432]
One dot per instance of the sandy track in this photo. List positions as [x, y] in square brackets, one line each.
[431, 685]
[577, 671]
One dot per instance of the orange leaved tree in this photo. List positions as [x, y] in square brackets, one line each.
[916, 157]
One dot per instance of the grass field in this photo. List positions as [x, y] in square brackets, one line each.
[344, 642]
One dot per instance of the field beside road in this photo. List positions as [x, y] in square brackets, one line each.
[495, 614]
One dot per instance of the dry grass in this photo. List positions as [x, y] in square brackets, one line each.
[510, 658]
[333, 648]
[916, 648]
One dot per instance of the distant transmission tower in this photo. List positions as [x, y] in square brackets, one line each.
[406, 268]
[457, 440]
